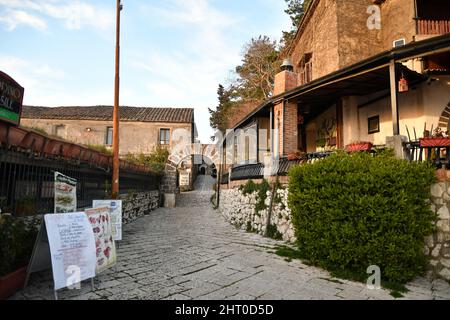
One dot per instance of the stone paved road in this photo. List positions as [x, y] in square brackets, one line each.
[191, 253]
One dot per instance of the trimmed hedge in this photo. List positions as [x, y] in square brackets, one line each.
[354, 211]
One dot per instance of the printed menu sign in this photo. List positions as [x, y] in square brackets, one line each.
[72, 248]
[115, 213]
[11, 98]
[65, 193]
[105, 248]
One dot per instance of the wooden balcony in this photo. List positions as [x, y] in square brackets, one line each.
[433, 27]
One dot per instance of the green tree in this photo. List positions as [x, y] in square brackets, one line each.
[296, 10]
[260, 63]
[218, 117]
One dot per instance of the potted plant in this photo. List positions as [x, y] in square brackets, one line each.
[17, 237]
[438, 139]
[298, 155]
[359, 146]
[25, 206]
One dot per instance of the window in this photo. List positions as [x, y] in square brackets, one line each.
[374, 124]
[164, 136]
[58, 130]
[306, 69]
[399, 43]
[109, 136]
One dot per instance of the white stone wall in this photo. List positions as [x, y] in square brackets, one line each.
[239, 210]
[438, 245]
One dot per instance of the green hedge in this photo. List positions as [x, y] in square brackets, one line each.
[353, 211]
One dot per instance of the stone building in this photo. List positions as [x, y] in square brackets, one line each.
[358, 70]
[141, 129]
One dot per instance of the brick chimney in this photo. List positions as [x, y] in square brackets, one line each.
[285, 112]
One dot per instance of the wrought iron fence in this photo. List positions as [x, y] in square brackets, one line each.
[256, 171]
[27, 186]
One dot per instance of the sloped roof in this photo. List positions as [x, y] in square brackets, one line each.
[178, 115]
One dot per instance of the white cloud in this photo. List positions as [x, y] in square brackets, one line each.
[74, 14]
[189, 75]
[14, 18]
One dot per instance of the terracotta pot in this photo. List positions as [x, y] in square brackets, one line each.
[15, 136]
[13, 282]
[359, 146]
[435, 142]
[293, 156]
[33, 141]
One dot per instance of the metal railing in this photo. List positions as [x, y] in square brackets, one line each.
[27, 182]
[256, 171]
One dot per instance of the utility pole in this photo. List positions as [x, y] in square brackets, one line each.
[115, 175]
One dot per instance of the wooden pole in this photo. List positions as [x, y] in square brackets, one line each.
[115, 175]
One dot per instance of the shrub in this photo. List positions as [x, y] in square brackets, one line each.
[353, 211]
[17, 237]
[156, 159]
[261, 188]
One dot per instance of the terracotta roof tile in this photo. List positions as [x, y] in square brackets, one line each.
[179, 115]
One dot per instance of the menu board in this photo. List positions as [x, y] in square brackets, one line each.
[72, 248]
[115, 213]
[105, 248]
[65, 193]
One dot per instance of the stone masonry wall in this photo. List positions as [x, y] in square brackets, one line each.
[438, 245]
[136, 205]
[239, 210]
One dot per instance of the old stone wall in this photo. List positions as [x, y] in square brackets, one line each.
[239, 210]
[438, 245]
[136, 205]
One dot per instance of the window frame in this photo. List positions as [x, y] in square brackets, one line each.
[377, 118]
[108, 128]
[159, 137]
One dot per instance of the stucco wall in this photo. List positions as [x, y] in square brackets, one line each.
[313, 127]
[423, 105]
[135, 137]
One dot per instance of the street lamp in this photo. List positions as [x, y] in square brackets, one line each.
[115, 174]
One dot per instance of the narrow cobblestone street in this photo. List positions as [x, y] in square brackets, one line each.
[191, 253]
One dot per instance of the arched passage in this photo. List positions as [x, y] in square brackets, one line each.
[444, 120]
[170, 187]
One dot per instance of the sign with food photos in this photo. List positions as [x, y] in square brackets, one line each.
[65, 193]
[105, 248]
[115, 214]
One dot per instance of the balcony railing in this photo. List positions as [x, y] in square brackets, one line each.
[433, 27]
[256, 171]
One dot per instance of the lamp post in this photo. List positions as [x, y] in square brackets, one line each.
[115, 174]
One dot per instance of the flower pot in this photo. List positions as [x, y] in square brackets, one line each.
[359, 146]
[13, 282]
[435, 142]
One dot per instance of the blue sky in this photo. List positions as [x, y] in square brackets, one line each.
[174, 53]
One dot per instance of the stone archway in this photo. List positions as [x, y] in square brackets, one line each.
[169, 185]
[444, 120]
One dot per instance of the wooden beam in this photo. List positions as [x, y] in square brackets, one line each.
[394, 98]
[340, 124]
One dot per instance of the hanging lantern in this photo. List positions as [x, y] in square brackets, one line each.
[300, 119]
[403, 85]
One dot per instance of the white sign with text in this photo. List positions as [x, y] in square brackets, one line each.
[72, 247]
